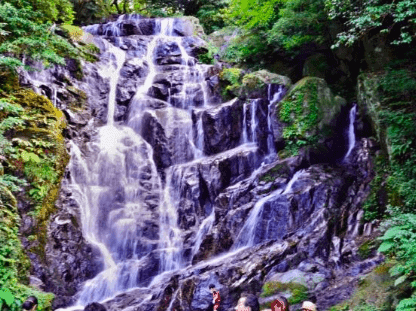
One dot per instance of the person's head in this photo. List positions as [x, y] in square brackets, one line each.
[30, 304]
[248, 303]
[280, 304]
[95, 306]
[308, 306]
[211, 287]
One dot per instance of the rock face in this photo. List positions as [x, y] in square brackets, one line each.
[310, 113]
[179, 183]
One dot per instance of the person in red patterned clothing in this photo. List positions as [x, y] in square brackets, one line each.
[215, 297]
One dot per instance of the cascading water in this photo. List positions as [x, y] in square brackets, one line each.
[351, 133]
[253, 122]
[273, 99]
[244, 137]
[247, 236]
[204, 228]
[119, 181]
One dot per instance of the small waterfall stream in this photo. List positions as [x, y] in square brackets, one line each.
[351, 132]
[247, 235]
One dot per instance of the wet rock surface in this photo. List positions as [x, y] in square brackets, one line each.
[218, 163]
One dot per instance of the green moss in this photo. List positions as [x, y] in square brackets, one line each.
[79, 100]
[375, 292]
[41, 151]
[73, 32]
[230, 79]
[367, 248]
[307, 112]
[298, 291]
[280, 169]
[14, 264]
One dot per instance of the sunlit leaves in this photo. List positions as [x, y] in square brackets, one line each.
[361, 17]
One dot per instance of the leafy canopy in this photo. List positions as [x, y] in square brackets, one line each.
[397, 18]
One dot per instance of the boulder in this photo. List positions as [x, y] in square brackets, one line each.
[307, 114]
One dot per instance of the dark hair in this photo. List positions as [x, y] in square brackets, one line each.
[30, 303]
[95, 306]
[211, 286]
[281, 302]
[252, 302]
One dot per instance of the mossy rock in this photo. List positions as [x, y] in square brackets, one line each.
[369, 103]
[376, 291]
[9, 80]
[78, 99]
[197, 29]
[298, 292]
[279, 170]
[221, 37]
[308, 112]
[251, 85]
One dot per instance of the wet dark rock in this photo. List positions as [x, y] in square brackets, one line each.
[154, 134]
[95, 306]
[194, 46]
[168, 53]
[145, 27]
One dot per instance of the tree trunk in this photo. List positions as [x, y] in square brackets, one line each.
[117, 7]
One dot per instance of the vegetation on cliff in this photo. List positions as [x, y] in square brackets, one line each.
[32, 161]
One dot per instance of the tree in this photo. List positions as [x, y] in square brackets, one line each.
[397, 18]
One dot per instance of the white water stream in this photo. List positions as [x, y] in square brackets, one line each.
[246, 237]
[351, 132]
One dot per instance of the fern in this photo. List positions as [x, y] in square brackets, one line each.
[407, 304]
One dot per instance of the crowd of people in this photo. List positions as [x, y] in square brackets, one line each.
[250, 302]
[247, 302]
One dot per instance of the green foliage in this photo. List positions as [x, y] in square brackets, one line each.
[298, 291]
[14, 265]
[272, 25]
[208, 58]
[59, 11]
[300, 22]
[375, 204]
[397, 18]
[212, 16]
[231, 79]
[12, 182]
[29, 37]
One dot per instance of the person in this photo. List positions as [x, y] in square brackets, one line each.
[308, 306]
[215, 297]
[280, 304]
[248, 303]
[31, 303]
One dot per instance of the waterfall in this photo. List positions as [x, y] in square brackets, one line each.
[115, 180]
[273, 99]
[113, 74]
[204, 228]
[244, 135]
[247, 234]
[253, 122]
[351, 133]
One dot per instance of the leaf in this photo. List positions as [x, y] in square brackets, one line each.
[7, 297]
[386, 246]
[400, 280]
